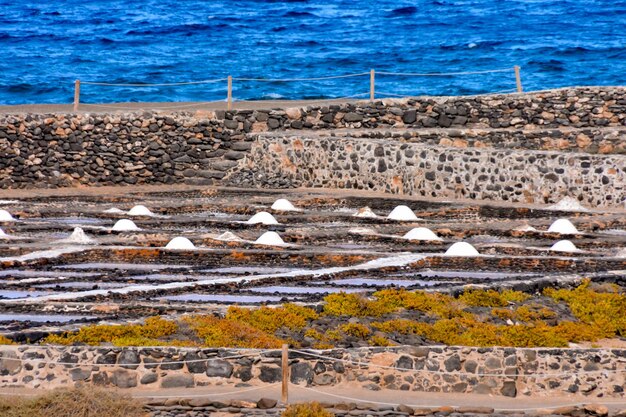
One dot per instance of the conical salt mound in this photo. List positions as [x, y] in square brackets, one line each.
[564, 246]
[421, 233]
[262, 217]
[366, 213]
[2, 234]
[564, 227]
[5, 216]
[78, 236]
[125, 225]
[568, 204]
[270, 238]
[180, 243]
[283, 204]
[229, 237]
[461, 249]
[525, 228]
[402, 213]
[113, 210]
[140, 210]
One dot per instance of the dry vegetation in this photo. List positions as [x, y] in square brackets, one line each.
[475, 318]
[76, 402]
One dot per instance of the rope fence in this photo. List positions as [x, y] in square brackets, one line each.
[230, 79]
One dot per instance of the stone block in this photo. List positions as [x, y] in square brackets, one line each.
[178, 381]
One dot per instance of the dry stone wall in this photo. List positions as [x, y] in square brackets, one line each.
[496, 371]
[202, 148]
[401, 167]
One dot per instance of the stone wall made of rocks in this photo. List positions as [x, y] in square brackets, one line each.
[496, 371]
[525, 176]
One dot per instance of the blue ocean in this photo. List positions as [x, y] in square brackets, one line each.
[46, 45]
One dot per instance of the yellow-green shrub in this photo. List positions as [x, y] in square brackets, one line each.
[356, 305]
[491, 298]
[218, 332]
[377, 340]
[436, 304]
[356, 330]
[313, 409]
[268, 319]
[5, 340]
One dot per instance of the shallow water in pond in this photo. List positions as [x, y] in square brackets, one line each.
[221, 298]
[254, 270]
[125, 266]
[21, 294]
[385, 282]
[82, 284]
[42, 318]
[303, 290]
[172, 277]
[36, 274]
[467, 274]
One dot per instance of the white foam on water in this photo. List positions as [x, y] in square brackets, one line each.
[421, 233]
[568, 204]
[114, 210]
[270, 239]
[78, 236]
[461, 249]
[229, 237]
[402, 259]
[5, 216]
[180, 243]
[403, 214]
[262, 217]
[564, 246]
[140, 210]
[366, 213]
[525, 228]
[282, 204]
[125, 225]
[564, 227]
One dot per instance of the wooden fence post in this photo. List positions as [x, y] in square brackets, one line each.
[518, 80]
[229, 96]
[372, 82]
[76, 94]
[285, 369]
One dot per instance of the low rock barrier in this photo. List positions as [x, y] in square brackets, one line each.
[496, 371]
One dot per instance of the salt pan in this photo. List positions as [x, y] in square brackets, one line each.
[421, 233]
[564, 227]
[270, 238]
[180, 243]
[262, 217]
[461, 249]
[125, 225]
[140, 210]
[283, 204]
[402, 213]
[564, 246]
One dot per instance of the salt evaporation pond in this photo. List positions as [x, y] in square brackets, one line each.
[43, 318]
[124, 266]
[36, 274]
[384, 282]
[172, 277]
[22, 294]
[469, 274]
[250, 270]
[303, 290]
[220, 298]
[82, 285]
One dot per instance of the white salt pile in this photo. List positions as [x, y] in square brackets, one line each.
[365, 212]
[270, 238]
[140, 210]
[564, 246]
[125, 225]
[525, 228]
[78, 236]
[568, 204]
[461, 249]
[262, 217]
[421, 233]
[283, 204]
[114, 210]
[5, 216]
[229, 237]
[2, 234]
[564, 227]
[402, 213]
[180, 243]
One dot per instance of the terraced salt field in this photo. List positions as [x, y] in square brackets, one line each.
[54, 276]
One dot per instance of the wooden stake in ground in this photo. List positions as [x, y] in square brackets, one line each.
[285, 368]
